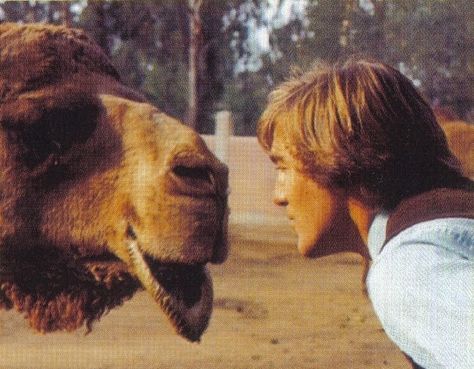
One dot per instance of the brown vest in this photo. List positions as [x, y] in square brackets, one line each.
[434, 204]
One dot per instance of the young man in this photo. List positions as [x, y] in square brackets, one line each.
[363, 166]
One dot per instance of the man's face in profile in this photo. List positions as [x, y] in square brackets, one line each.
[318, 215]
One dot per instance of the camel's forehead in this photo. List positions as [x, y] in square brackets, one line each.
[144, 126]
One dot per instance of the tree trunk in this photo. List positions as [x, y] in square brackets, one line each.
[345, 37]
[67, 18]
[195, 43]
[380, 15]
[101, 31]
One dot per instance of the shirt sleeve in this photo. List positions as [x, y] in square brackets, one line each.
[424, 298]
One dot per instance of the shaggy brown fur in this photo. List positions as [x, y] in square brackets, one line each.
[55, 293]
[86, 168]
[48, 104]
[460, 137]
[35, 56]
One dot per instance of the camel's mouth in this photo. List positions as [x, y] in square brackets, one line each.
[179, 280]
[184, 292]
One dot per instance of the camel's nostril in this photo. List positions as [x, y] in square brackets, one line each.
[194, 180]
[193, 173]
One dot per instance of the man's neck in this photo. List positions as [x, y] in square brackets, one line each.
[362, 216]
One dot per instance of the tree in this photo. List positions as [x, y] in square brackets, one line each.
[433, 44]
[191, 70]
[195, 44]
[55, 12]
[431, 41]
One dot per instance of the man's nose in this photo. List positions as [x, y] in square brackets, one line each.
[279, 195]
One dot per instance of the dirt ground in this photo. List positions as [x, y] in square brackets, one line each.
[273, 309]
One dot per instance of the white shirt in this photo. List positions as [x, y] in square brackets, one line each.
[422, 288]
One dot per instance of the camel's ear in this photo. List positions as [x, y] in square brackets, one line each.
[44, 127]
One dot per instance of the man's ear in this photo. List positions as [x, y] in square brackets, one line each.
[41, 128]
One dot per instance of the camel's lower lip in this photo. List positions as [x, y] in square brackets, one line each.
[184, 292]
[181, 281]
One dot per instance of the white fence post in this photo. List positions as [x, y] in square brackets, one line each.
[223, 130]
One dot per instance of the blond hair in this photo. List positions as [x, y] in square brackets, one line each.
[363, 127]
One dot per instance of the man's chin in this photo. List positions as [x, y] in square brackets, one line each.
[306, 247]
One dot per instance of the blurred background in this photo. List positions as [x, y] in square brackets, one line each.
[195, 57]
[204, 61]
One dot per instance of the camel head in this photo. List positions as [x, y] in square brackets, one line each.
[101, 193]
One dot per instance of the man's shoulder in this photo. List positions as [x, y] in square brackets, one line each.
[438, 203]
[445, 237]
[428, 261]
[423, 293]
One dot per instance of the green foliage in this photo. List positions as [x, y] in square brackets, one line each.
[432, 41]
[245, 97]
[166, 85]
[435, 42]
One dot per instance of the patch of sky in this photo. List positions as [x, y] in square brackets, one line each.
[273, 14]
[409, 73]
